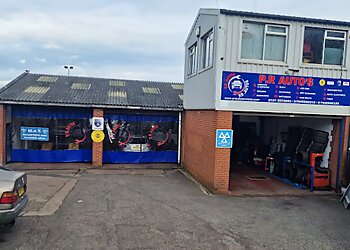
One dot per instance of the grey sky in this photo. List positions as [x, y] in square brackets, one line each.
[123, 38]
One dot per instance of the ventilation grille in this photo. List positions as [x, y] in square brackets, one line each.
[36, 90]
[120, 94]
[177, 86]
[149, 90]
[47, 79]
[117, 83]
[258, 178]
[83, 86]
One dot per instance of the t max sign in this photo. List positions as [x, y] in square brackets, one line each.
[253, 87]
[34, 134]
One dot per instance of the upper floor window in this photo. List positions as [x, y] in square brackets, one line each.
[207, 50]
[264, 41]
[322, 46]
[192, 60]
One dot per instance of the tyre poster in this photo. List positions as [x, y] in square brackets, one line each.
[138, 138]
[271, 88]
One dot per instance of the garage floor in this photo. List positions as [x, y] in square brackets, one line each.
[248, 180]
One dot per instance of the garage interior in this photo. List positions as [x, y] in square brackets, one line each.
[275, 155]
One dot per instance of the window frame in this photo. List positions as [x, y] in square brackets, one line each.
[192, 65]
[325, 37]
[285, 34]
[205, 41]
[266, 32]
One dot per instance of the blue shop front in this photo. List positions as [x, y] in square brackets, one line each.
[48, 119]
[56, 134]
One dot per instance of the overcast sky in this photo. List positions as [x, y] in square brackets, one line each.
[133, 39]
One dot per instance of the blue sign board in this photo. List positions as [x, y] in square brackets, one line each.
[252, 87]
[224, 138]
[34, 134]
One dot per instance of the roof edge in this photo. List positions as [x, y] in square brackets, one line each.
[284, 17]
[77, 105]
[8, 85]
[104, 78]
[201, 11]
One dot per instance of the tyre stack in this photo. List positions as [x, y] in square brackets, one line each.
[294, 136]
[312, 141]
[319, 141]
[293, 139]
[306, 140]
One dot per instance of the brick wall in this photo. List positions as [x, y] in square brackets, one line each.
[2, 136]
[97, 147]
[200, 157]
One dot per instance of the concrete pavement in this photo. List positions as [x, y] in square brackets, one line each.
[46, 193]
[167, 211]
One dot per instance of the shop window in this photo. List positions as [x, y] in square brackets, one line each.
[49, 134]
[128, 135]
[323, 46]
[207, 49]
[63, 134]
[140, 138]
[192, 60]
[264, 41]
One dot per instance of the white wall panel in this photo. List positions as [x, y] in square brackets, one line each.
[230, 41]
[203, 91]
[199, 90]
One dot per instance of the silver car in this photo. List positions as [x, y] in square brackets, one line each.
[13, 195]
[137, 144]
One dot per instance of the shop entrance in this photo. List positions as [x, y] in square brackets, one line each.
[280, 155]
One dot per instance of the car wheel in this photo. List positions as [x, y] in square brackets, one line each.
[7, 228]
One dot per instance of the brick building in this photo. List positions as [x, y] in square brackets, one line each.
[48, 118]
[281, 83]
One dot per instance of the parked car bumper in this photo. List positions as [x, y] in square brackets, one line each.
[7, 216]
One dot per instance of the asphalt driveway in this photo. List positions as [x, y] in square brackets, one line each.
[164, 210]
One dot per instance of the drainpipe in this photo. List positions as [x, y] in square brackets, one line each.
[179, 140]
[340, 151]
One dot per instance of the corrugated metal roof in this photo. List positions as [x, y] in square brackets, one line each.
[31, 88]
[285, 18]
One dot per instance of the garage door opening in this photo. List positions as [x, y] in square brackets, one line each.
[275, 155]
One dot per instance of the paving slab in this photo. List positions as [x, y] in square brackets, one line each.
[24, 166]
[127, 171]
[46, 194]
